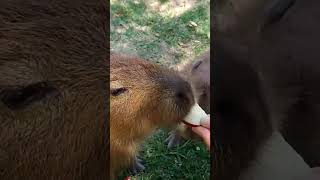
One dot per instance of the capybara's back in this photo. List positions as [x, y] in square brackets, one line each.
[143, 97]
[52, 90]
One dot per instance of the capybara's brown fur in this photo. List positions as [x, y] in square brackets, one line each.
[197, 73]
[143, 97]
[53, 89]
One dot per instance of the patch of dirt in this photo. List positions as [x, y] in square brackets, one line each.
[172, 8]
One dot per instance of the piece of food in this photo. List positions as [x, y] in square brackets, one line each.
[195, 115]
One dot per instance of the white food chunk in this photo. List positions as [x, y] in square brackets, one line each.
[195, 115]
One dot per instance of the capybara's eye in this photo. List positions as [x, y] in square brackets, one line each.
[21, 97]
[277, 10]
[118, 91]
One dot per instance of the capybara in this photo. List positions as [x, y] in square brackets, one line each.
[197, 73]
[266, 74]
[143, 98]
[53, 90]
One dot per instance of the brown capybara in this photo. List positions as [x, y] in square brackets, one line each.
[266, 74]
[53, 90]
[143, 98]
[197, 73]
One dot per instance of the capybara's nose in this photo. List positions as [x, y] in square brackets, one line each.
[183, 92]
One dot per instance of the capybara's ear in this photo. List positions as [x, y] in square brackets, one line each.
[20, 97]
[196, 65]
[116, 88]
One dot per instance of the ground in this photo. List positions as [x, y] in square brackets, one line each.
[169, 33]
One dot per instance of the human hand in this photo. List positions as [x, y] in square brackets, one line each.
[204, 130]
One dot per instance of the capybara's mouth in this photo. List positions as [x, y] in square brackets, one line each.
[188, 124]
[194, 117]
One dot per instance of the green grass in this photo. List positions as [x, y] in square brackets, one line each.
[160, 36]
[190, 160]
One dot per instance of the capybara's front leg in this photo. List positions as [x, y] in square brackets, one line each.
[137, 166]
[174, 139]
[179, 135]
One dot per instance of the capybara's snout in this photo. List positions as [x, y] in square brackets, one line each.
[179, 90]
